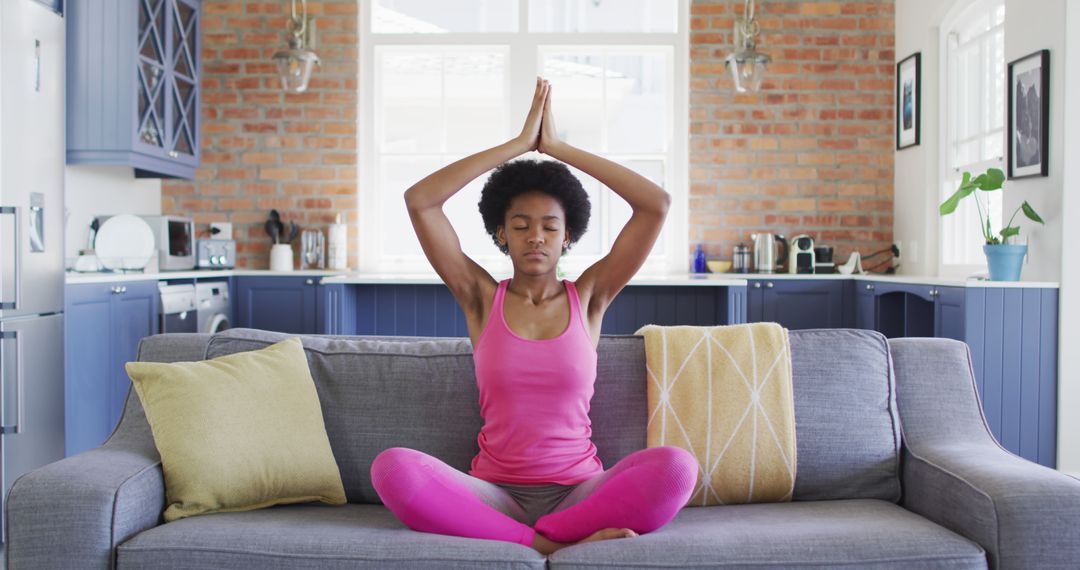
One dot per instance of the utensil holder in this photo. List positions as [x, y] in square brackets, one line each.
[281, 257]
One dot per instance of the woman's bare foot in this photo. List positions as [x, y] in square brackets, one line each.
[546, 547]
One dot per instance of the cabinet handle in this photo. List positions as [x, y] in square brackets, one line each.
[768, 285]
[310, 281]
[173, 154]
[869, 286]
[114, 290]
[14, 428]
[757, 285]
[123, 289]
[933, 292]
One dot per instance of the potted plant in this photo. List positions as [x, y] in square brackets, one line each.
[1003, 258]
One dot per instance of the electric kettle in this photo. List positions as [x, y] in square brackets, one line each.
[765, 256]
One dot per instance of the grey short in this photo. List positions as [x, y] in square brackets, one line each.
[537, 500]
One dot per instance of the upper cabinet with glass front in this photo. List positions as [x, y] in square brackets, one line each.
[133, 85]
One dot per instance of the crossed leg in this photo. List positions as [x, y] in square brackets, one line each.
[430, 496]
[642, 492]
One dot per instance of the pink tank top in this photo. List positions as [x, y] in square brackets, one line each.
[534, 398]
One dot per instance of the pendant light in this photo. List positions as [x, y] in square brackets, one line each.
[747, 65]
[295, 64]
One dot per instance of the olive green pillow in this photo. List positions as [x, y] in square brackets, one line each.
[239, 432]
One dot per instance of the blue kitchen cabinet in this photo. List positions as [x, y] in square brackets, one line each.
[910, 309]
[104, 323]
[282, 304]
[949, 312]
[133, 95]
[797, 303]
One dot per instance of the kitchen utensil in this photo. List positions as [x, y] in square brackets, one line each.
[293, 231]
[274, 228]
[766, 260]
[124, 243]
[740, 258]
[718, 265]
[801, 254]
[311, 249]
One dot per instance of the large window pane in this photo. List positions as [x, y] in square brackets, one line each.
[410, 96]
[636, 97]
[476, 101]
[592, 243]
[464, 215]
[396, 175]
[443, 16]
[618, 211]
[603, 16]
[577, 90]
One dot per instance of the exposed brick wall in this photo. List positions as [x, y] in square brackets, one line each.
[265, 149]
[812, 153]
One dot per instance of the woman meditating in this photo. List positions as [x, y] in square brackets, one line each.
[537, 480]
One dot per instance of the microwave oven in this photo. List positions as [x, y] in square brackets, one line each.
[175, 238]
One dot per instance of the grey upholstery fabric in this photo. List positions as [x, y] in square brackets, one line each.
[73, 513]
[313, 536]
[861, 533]
[847, 430]
[956, 474]
[373, 389]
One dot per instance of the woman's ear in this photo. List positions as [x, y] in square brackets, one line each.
[500, 234]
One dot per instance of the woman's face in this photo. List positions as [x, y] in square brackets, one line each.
[535, 231]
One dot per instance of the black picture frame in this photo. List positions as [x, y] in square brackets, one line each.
[1028, 148]
[908, 101]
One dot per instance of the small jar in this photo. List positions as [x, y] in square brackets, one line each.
[740, 258]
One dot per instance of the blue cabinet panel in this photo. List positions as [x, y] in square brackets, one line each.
[87, 366]
[796, 304]
[133, 92]
[637, 306]
[949, 313]
[282, 304]
[104, 323]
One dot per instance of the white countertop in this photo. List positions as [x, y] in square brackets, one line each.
[72, 277]
[707, 280]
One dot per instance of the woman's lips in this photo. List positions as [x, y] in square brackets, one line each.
[537, 254]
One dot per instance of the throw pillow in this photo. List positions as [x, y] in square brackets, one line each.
[239, 432]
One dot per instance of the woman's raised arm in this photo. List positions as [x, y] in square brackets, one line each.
[605, 278]
[425, 200]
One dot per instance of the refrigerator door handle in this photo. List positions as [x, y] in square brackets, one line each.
[17, 426]
[16, 299]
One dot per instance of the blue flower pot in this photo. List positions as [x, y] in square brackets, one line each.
[1005, 261]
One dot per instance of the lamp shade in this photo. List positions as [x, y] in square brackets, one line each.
[294, 67]
[748, 69]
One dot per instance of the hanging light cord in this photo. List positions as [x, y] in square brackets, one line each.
[749, 26]
[299, 25]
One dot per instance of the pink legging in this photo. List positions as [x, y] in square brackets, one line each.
[642, 492]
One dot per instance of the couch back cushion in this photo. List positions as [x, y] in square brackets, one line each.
[420, 393]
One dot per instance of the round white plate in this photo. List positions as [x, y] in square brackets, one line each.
[124, 242]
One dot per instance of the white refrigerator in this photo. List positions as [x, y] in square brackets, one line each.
[31, 239]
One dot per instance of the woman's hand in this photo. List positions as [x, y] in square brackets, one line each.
[549, 137]
[530, 133]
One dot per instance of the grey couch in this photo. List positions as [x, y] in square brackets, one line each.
[895, 469]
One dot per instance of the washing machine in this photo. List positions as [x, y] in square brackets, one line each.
[212, 298]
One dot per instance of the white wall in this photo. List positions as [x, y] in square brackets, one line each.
[103, 190]
[1069, 328]
[1030, 25]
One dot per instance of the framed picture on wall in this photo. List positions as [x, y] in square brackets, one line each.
[1029, 115]
[908, 103]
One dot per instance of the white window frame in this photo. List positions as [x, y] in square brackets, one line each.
[520, 83]
[959, 13]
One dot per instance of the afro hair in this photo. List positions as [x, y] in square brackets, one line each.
[512, 179]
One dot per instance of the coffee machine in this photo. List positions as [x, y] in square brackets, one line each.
[801, 257]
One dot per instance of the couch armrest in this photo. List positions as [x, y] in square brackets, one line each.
[74, 512]
[956, 474]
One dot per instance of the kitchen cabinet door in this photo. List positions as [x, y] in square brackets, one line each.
[104, 323]
[865, 305]
[796, 304]
[133, 93]
[949, 313]
[281, 304]
[134, 316]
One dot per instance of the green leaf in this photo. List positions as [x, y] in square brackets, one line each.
[966, 180]
[949, 206]
[1030, 213]
[1010, 232]
[989, 232]
[978, 180]
[992, 180]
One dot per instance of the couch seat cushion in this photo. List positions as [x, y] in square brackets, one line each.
[312, 536]
[859, 533]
